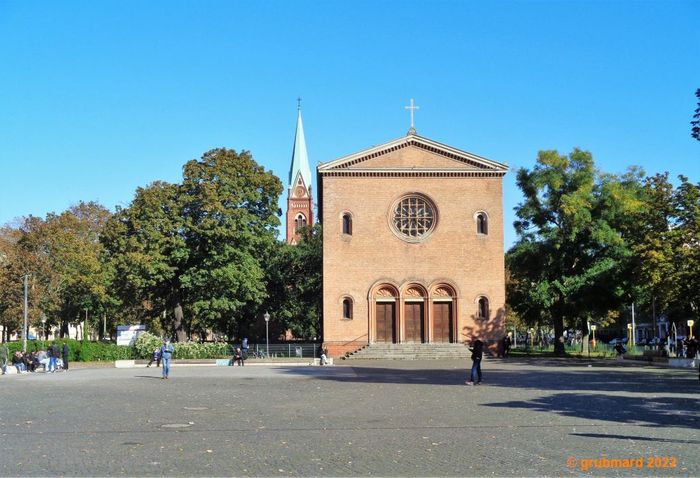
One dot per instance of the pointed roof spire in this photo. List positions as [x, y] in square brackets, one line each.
[300, 158]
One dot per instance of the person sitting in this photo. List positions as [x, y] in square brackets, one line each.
[155, 357]
[42, 358]
[620, 349]
[28, 361]
[18, 362]
[35, 361]
[238, 357]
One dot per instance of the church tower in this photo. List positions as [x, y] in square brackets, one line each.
[299, 198]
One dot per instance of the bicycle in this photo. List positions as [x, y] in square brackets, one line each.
[257, 354]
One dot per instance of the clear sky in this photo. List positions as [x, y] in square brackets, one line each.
[100, 97]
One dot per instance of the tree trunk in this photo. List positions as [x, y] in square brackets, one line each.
[558, 320]
[584, 344]
[178, 329]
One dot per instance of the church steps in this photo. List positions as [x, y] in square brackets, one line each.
[411, 351]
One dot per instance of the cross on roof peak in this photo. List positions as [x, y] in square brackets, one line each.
[412, 107]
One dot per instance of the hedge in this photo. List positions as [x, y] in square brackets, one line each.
[79, 351]
[86, 351]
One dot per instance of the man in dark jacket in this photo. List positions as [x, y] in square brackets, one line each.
[53, 354]
[477, 349]
[3, 358]
[64, 356]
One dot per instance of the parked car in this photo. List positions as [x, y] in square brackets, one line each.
[616, 341]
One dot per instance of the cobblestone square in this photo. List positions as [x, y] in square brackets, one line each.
[373, 418]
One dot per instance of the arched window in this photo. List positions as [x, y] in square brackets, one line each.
[482, 223]
[347, 308]
[347, 224]
[483, 308]
[299, 222]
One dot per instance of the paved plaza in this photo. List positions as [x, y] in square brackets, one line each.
[374, 418]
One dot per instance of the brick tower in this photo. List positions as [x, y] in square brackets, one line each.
[300, 204]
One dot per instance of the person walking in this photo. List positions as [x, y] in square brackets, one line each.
[64, 356]
[477, 350]
[166, 353]
[53, 357]
[3, 358]
[244, 347]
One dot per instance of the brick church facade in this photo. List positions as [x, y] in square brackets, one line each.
[412, 245]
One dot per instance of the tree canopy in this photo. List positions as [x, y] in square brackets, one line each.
[590, 242]
[200, 244]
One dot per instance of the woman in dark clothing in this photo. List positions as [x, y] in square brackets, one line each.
[64, 356]
[477, 349]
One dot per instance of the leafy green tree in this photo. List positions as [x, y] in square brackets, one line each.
[231, 214]
[199, 246]
[72, 240]
[294, 277]
[62, 255]
[146, 247]
[685, 237]
[568, 264]
[12, 268]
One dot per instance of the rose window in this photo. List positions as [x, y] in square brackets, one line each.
[413, 218]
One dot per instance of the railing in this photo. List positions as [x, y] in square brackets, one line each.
[289, 350]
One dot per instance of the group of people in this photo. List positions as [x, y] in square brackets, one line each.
[52, 359]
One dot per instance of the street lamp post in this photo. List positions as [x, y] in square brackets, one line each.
[25, 330]
[43, 325]
[690, 329]
[267, 334]
[629, 335]
[593, 329]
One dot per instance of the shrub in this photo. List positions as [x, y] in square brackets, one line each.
[145, 344]
[194, 350]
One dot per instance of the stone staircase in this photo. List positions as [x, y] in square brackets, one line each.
[411, 351]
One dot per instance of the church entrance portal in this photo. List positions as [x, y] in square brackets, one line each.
[413, 320]
[442, 322]
[385, 319]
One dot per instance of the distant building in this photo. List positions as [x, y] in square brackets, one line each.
[300, 204]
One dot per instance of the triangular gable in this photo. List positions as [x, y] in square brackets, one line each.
[413, 153]
[299, 189]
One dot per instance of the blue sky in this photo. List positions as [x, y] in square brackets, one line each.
[98, 98]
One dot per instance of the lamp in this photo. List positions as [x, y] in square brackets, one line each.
[266, 316]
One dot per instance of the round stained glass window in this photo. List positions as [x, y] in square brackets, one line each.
[413, 217]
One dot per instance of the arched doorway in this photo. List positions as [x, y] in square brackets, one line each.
[385, 314]
[414, 314]
[443, 314]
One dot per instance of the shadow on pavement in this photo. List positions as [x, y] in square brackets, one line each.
[589, 393]
[655, 412]
[561, 379]
[635, 438]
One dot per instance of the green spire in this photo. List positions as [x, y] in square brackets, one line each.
[300, 159]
